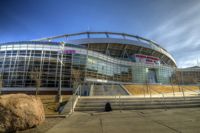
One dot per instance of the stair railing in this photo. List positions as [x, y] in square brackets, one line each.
[183, 93]
[144, 91]
[148, 90]
[198, 93]
[163, 97]
[120, 106]
[69, 107]
[118, 101]
[75, 96]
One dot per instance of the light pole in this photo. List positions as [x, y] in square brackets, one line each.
[59, 96]
[1, 83]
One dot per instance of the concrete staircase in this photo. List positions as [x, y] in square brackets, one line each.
[131, 103]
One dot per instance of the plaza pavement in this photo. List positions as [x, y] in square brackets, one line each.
[185, 120]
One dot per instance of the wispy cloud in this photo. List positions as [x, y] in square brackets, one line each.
[180, 35]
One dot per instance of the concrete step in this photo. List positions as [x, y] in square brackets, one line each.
[138, 107]
[131, 103]
[133, 100]
[137, 104]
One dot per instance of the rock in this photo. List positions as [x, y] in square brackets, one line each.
[20, 112]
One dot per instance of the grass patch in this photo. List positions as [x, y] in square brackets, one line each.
[50, 106]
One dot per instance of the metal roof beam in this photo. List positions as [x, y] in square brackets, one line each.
[107, 49]
[124, 50]
[152, 52]
[140, 50]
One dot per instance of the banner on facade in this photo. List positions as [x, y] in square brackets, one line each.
[146, 59]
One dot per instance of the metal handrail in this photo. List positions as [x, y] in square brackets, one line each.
[75, 94]
[183, 92]
[77, 90]
[118, 101]
[163, 96]
[191, 90]
[144, 94]
[69, 107]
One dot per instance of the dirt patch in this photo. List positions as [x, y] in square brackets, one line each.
[44, 127]
[50, 105]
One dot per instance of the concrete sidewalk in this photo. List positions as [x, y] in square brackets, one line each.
[185, 120]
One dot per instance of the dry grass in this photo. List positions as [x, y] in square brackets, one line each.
[44, 127]
[136, 89]
[155, 89]
[49, 103]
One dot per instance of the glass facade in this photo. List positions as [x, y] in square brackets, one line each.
[102, 69]
[23, 64]
[151, 73]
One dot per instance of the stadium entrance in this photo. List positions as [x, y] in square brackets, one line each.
[152, 76]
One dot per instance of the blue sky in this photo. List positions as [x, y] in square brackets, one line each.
[174, 24]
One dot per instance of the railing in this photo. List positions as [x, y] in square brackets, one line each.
[163, 96]
[69, 108]
[75, 96]
[147, 97]
[118, 101]
[198, 92]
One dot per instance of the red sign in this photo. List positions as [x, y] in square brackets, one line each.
[146, 59]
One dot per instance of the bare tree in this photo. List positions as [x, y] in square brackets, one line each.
[76, 77]
[36, 76]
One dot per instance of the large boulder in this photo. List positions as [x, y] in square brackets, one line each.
[20, 112]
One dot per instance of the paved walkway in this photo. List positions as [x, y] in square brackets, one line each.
[140, 121]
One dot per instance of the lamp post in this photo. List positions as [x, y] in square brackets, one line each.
[59, 95]
[1, 83]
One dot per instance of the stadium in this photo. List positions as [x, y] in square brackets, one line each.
[88, 59]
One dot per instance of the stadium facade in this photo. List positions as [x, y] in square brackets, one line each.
[85, 58]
